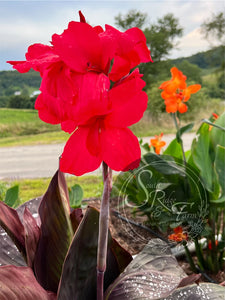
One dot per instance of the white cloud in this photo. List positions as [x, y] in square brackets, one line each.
[26, 22]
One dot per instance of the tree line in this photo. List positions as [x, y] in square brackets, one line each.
[16, 89]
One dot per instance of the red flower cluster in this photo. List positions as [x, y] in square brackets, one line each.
[178, 235]
[88, 89]
[176, 92]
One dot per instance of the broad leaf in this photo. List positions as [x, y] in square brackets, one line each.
[76, 217]
[75, 196]
[20, 283]
[10, 222]
[153, 273]
[220, 167]
[9, 253]
[201, 156]
[196, 292]
[56, 233]
[12, 196]
[79, 271]
[182, 130]
[217, 135]
[174, 149]
[32, 234]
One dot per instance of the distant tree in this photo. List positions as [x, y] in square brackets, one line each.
[21, 101]
[215, 28]
[132, 19]
[160, 38]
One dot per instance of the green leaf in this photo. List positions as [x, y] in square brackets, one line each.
[79, 271]
[220, 167]
[20, 283]
[12, 196]
[174, 149]
[213, 124]
[56, 233]
[75, 196]
[217, 135]
[182, 130]
[201, 156]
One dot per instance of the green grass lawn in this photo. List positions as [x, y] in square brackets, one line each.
[32, 188]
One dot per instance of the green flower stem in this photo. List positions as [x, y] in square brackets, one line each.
[103, 231]
[180, 141]
[201, 261]
[190, 259]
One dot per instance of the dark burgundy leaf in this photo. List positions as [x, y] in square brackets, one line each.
[56, 233]
[20, 283]
[79, 271]
[76, 217]
[198, 292]
[153, 274]
[32, 234]
[10, 222]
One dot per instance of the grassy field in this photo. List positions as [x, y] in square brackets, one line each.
[32, 188]
[23, 127]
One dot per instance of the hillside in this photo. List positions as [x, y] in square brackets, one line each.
[212, 58]
[16, 88]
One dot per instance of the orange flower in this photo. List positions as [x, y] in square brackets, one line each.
[176, 92]
[178, 235]
[214, 117]
[210, 244]
[157, 143]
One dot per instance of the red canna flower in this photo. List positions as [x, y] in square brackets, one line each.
[178, 235]
[105, 137]
[157, 143]
[76, 72]
[176, 93]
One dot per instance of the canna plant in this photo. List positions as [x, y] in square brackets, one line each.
[92, 88]
[184, 191]
[57, 256]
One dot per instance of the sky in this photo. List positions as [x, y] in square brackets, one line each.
[23, 23]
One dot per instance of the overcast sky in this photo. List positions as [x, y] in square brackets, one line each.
[26, 22]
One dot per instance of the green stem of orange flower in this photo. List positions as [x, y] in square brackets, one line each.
[103, 231]
[180, 139]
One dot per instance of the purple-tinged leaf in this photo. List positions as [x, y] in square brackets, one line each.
[123, 257]
[32, 234]
[189, 280]
[56, 233]
[76, 217]
[78, 279]
[10, 222]
[9, 253]
[20, 283]
[153, 274]
[196, 292]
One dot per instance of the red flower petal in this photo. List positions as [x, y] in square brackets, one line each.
[80, 47]
[76, 159]
[38, 57]
[49, 111]
[120, 148]
[128, 101]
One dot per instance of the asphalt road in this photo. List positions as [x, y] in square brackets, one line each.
[42, 160]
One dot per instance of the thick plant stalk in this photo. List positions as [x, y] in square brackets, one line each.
[103, 231]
